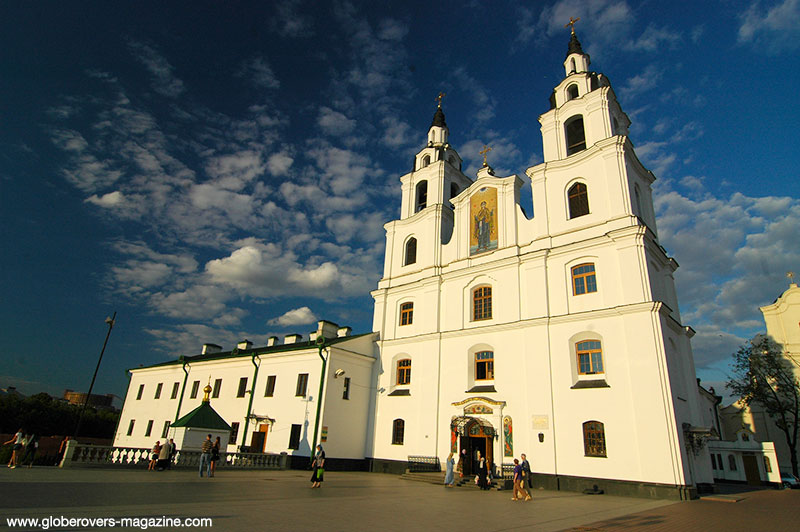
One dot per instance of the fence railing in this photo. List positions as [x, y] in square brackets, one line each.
[82, 455]
[420, 464]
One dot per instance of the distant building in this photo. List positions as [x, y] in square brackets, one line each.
[10, 390]
[782, 319]
[78, 398]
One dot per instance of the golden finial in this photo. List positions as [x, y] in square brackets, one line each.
[790, 276]
[571, 24]
[486, 149]
[441, 95]
[207, 391]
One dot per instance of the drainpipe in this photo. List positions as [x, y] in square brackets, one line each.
[183, 389]
[320, 346]
[252, 393]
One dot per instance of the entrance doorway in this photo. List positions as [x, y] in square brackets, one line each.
[258, 441]
[751, 470]
[476, 441]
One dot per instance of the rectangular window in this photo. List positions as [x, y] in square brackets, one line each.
[583, 279]
[149, 428]
[406, 313]
[175, 387]
[270, 391]
[242, 387]
[404, 371]
[165, 430]
[234, 433]
[484, 365]
[195, 387]
[158, 390]
[731, 462]
[594, 439]
[767, 465]
[590, 357]
[141, 391]
[346, 392]
[302, 384]
[482, 303]
[217, 388]
[719, 461]
[713, 462]
[294, 437]
[130, 426]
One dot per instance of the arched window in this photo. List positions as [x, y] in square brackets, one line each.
[398, 428]
[578, 197]
[404, 371]
[422, 196]
[484, 365]
[594, 439]
[583, 279]
[482, 303]
[453, 190]
[590, 357]
[411, 252]
[767, 465]
[572, 68]
[572, 92]
[426, 160]
[406, 313]
[576, 138]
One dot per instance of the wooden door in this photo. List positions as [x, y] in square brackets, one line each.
[751, 470]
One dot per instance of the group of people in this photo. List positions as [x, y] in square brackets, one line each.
[483, 473]
[209, 456]
[24, 450]
[162, 455]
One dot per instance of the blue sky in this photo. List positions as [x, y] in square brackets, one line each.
[215, 171]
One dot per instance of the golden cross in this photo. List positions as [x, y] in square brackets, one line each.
[790, 275]
[441, 95]
[486, 149]
[571, 24]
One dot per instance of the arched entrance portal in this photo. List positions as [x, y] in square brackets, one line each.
[475, 437]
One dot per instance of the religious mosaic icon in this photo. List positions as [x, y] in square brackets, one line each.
[483, 209]
[508, 437]
[478, 409]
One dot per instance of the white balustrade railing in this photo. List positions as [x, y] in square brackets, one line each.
[84, 455]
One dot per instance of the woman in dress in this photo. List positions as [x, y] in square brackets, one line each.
[448, 478]
[318, 467]
[154, 456]
[482, 474]
[214, 456]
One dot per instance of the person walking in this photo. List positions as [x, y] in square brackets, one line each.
[172, 452]
[526, 472]
[16, 450]
[154, 456]
[214, 456]
[448, 477]
[462, 460]
[519, 489]
[205, 456]
[318, 468]
[30, 450]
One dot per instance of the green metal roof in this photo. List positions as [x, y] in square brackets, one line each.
[203, 417]
[240, 353]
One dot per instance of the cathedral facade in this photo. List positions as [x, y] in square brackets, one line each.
[556, 335]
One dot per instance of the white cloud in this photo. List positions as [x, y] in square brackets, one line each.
[164, 81]
[260, 73]
[653, 39]
[397, 133]
[334, 123]
[642, 82]
[774, 28]
[483, 103]
[392, 30]
[298, 316]
[278, 164]
[286, 19]
[235, 170]
[112, 199]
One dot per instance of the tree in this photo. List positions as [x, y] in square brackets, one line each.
[763, 376]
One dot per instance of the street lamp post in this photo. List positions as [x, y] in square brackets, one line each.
[110, 323]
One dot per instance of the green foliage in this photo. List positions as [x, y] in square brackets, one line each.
[42, 415]
[762, 375]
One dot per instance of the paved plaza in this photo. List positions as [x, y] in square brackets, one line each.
[282, 500]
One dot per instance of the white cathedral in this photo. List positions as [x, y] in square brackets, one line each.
[557, 336]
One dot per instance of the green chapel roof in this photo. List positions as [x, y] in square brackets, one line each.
[203, 417]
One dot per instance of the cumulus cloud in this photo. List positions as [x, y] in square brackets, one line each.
[164, 80]
[260, 73]
[278, 164]
[298, 316]
[112, 199]
[602, 20]
[334, 123]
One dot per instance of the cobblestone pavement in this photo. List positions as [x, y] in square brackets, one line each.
[350, 501]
